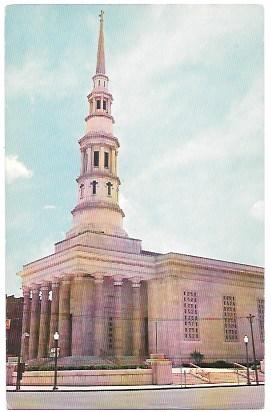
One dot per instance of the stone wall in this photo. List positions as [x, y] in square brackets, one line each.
[88, 377]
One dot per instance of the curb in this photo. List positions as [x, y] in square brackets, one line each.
[125, 389]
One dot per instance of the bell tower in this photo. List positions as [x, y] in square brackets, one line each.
[97, 208]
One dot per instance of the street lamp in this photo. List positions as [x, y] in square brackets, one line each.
[21, 365]
[56, 337]
[246, 343]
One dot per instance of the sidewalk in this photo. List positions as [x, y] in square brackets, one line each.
[120, 388]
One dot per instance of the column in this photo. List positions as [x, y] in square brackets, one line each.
[34, 322]
[77, 317]
[64, 325]
[101, 160]
[136, 319]
[54, 312]
[82, 163]
[98, 316]
[89, 164]
[113, 161]
[118, 338]
[26, 323]
[116, 162]
[87, 318]
[44, 321]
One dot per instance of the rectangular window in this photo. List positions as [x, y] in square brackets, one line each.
[104, 104]
[230, 321]
[261, 318]
[98, 104]
[106, 160]
[96, 159]
[191, 320]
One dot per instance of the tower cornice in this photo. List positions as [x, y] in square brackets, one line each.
[96, 174]
[99, 137]
[102, 114]
[98, 205]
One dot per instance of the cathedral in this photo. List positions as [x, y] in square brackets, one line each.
[110, 299]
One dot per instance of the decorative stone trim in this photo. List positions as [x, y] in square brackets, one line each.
[97, 114]
[97, 173]
[101, 205]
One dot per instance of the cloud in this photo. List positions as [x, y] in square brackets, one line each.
[49, 207]
[194, 35]
[257, 210]
[15, 169]
[36, 77]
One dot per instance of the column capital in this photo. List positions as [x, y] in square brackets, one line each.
[55, 282]
[45, 286]
[135, 282]
[78, 278]
[98, 278]
[35, 288]
[26, 290]
[117, 280]
[65, 279]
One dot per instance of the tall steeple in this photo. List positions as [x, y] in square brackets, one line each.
[97, 209]
[100, 67]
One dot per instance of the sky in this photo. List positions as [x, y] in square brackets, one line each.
[187, 83]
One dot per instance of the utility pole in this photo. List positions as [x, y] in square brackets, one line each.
[250, 318]
[18, 376]
[156, 336]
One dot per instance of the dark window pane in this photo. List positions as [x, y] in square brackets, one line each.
[104, 104]
[96, 159]
[98, 104]
[106, 159]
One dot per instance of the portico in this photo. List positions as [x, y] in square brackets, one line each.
[77, 307]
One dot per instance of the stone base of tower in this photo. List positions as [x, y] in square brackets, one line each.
[99, 216]
[98, 240]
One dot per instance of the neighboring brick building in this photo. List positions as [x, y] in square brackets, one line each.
[14, 314]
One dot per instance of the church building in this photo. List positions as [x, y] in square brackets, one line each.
[110, 299]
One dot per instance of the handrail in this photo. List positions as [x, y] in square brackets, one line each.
[240, 366]
[242, 372]
[200, 373]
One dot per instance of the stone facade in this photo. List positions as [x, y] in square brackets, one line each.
[108, 297]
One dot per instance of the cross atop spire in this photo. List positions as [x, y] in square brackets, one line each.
[100, 67]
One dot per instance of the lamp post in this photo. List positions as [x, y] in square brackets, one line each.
[21, 365]
[250, 318]
[56, 337]
[246, 343]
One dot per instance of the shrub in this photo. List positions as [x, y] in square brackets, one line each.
[84, 367]
[197, 356]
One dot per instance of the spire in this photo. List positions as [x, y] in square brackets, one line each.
[100, 68]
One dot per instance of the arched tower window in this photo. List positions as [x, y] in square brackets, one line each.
[82, 187]
[109, 188]
[94, 187]
[98, 104]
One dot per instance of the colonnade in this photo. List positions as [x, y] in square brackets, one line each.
[42, 317]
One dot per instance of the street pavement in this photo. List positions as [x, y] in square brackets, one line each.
[234, 397]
